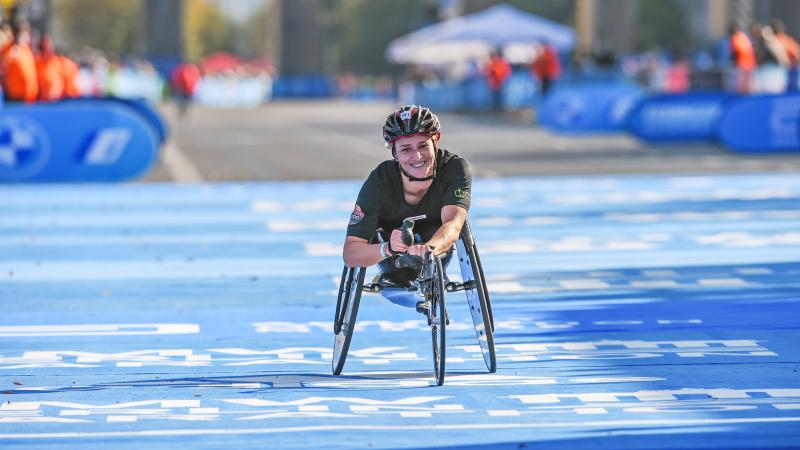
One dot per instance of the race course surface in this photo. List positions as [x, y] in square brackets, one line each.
[656, 312]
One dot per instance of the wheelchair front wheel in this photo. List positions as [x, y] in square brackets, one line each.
[437, 317]
[350, 287]
[337, 320]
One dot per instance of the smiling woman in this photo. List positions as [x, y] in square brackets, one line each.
[422, 181]
[416, 156]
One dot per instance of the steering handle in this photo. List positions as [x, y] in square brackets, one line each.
[404, 259]
[407, 232]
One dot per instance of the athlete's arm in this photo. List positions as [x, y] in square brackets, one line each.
[359, 252]
[453, 218]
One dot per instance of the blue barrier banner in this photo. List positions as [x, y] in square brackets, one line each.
[443, 96]
[74, 141]
[589, 109]
[472, 93]
[477, 95]
[520, 90]
[763, 124]
[670, 118]
[140, 106]
[303, 86]
[149, 113]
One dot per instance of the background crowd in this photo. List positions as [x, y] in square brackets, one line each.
[34, 72]
[755, 59]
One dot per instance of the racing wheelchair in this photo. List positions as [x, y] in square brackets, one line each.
[430, 286]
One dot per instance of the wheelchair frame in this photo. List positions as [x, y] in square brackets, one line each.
[431, 284]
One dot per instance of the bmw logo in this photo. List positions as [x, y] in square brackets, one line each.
[24, 148]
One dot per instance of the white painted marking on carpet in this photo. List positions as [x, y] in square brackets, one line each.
[98, 329]
[179, 166]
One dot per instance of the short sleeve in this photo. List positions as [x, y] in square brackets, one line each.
[458, 189]
[364, 218]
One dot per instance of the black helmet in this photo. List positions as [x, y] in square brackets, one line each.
[410, 120]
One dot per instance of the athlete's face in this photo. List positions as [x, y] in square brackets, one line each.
[416, 155]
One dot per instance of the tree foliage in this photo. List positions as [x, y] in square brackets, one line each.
[253, 35]
[362, 29]
[557, 10]
[662, 24]
[206, 29]
[108, 25]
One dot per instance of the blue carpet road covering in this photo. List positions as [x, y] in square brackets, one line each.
[647, 312]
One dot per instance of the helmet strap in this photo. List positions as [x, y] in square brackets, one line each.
[413, 178]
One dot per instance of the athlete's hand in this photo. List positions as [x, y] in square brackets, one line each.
[418, 250]
[396, 241]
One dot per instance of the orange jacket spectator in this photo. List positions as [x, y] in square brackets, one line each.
[20, 83]
[497, 71]
[742, 51]
[69, 72]
[48, 69]
[547, 65]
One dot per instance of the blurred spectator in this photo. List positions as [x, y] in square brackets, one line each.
[49, 71]
[5, 35]
[605, 59]
[184, 81]
[761, 48]
[384, 88]
[131, 78]
[69, 74]
[19, 66]
[677, 74]
[743, 58]
[6, 39]
[546, 67]
[792, 50]
[242, 86]
[346, 84]
[776, 51]
[497, 71]
[92, 68]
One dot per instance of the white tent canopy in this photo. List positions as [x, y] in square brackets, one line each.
[474, 36]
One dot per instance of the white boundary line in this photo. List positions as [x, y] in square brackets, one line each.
[179, 166]
[670, 423]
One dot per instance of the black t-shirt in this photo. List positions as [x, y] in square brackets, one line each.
[382, 204]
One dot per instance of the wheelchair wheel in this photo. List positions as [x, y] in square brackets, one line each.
[337, 320]
[346, 311]
[477, 297]
[483, 283]
[438, 319]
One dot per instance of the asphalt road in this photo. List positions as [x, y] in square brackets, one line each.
[341, 140]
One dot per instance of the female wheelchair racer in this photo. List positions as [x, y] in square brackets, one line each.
[427, 188]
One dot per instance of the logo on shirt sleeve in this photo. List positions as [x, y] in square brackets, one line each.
[357, 215]
[462, 193]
